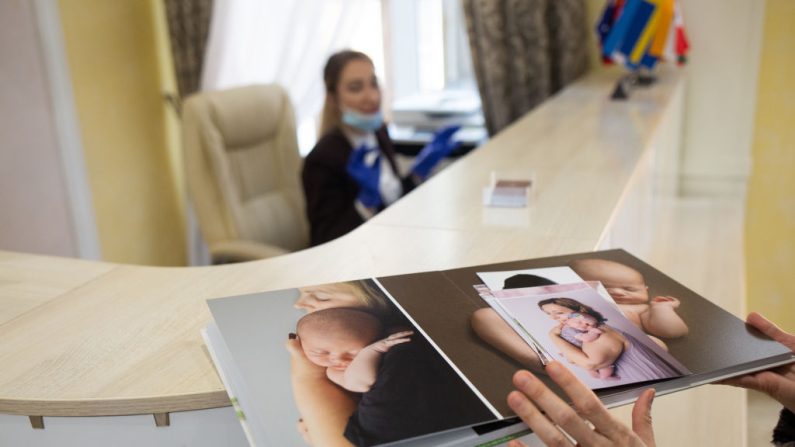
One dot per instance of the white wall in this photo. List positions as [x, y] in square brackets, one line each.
[34, 208]
[720, 103]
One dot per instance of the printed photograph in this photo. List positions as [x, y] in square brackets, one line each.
[516, 279]
[584, 331]
[343, 363]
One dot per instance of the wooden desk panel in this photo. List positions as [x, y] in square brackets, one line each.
[82, 338]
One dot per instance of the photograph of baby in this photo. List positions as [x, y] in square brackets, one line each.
[361, 370]
[339, 364]
[516, 279]
[657, 316]
[345, 341]
[580, 328]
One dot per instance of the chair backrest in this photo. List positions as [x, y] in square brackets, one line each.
[243, 166]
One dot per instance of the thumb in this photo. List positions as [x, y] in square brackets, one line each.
[293, 346]
[770, 329]
[641, 417]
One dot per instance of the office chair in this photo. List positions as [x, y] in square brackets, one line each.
[243, 172]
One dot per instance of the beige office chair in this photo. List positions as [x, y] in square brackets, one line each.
[243, 172]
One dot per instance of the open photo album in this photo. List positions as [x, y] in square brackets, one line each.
[427, 358]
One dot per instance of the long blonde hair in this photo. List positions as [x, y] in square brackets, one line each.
[331, 117]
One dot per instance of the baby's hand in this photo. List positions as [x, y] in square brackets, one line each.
[386, 344]
[665, 301]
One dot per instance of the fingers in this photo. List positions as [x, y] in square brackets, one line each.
[641, 417]
[541, 426]
[293, 346]
[400, 334]
[766, 382]
[770, 329]
[358, 154]
[555, 408]
[585, 401]
[447, 132]
[398, 338]
[541, 409]
[396, 341]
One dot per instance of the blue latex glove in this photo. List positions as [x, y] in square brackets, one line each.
[441, 146]
[365, 169]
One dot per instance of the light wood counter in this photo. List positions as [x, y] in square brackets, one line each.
[82, 338]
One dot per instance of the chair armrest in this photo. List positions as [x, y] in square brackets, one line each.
[223, 252]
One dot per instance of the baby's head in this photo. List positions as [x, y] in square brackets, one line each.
[523, 280]
[625, 284]
[332, 337]
[581, 322]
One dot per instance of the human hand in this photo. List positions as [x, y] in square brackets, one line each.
[301, 365]
[533, 397]
[556, 330]
[364, 167]
[665, 301]
[441, 146]
[778, 383]
[386, 344]
[303, 430]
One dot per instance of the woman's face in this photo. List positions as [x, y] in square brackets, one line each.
[358, 88]
[557, 312]
[325, 297]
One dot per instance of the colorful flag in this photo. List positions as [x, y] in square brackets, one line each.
[663, 27]
[639, 33]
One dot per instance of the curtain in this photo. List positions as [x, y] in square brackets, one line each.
[188, 26]
[523, 51]
[288, 42]
[264, 41]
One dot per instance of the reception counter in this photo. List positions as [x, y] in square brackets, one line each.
[81, 338]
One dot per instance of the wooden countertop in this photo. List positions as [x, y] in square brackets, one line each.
[81, 338]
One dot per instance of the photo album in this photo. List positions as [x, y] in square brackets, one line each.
[428, 358]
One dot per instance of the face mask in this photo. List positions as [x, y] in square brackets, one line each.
[366, 122]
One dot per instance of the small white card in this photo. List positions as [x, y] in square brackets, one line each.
[507, 194]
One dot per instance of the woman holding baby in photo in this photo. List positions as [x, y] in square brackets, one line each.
[658, 316]
[586, 340]
[360, 374]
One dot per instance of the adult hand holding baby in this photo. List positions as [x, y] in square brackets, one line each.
[300, 364]
[324, 407]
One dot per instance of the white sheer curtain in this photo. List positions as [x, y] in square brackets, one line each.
[288, 42]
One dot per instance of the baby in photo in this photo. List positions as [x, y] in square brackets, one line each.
[582, 330]
[348, 343]
[656, 316]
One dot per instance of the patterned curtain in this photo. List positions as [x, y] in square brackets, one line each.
[188, 25]
[523, 51]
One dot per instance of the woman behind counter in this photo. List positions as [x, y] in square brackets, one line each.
[351, 173]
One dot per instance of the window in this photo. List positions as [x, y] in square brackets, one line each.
[417, 46]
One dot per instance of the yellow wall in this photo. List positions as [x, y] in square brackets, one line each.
[117, 71]
[770, 220]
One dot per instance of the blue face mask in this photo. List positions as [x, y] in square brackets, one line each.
[366, 122]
